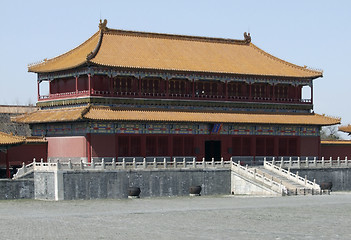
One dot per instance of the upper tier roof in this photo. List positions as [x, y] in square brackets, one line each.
[141, 50]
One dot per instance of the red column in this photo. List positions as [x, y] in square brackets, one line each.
[253, 146]
[170, 146]
[250, 91]
[76, 84]
[319, 147]
[167, 87]
[226, 90]
[276, 146]
[139, 86]
[116, 146]
[311, 92]
[8, 174]
[88, 139]
[143, 145]
[89, 83]
[111, 86]
[38, 83]
[273, 94]
[193, 90]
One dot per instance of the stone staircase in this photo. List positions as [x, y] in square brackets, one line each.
[271, 179]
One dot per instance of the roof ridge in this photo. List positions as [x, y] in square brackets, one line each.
[110, 31]
[285, 62]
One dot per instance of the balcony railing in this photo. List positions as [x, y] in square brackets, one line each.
[66, 95]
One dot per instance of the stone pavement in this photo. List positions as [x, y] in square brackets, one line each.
[217, 217]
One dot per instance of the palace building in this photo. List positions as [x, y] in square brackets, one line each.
[139, 94]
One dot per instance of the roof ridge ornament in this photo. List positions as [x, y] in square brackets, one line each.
[247, 37]
[102, 25]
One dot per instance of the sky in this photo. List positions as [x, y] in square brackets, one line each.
[312, 33]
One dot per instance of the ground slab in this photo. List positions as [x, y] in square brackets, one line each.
[215, 217]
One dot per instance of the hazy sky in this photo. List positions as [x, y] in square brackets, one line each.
[312, 33]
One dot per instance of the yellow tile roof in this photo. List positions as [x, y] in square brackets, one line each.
[142, 50]
[341, 142]
[109, 114]
[9, 139]
[105, 113]
[52, 115]
[33, 139]
[346, 129]
[71, 59]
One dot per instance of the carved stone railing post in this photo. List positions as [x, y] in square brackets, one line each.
[338, 161]
[155, 163]
[144, 163]
[81, 164]
[134, 163]
[323, 162]
[298, 162]
[103, 163]
[254, 172]
[113, 163]
[203, 163]
[164, 162]
[123, 163]
[174, 163]
[307, 163]
[92, 164]
[24, 167]
[194, 163]
[58, 164]
[69, 164]
[346, 162]
[184, 163]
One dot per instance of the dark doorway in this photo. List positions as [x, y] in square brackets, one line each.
[212, 150]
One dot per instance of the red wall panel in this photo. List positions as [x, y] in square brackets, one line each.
[309, 146]
[103, 145]
[24, 153]
[67, 147]
[336, 150]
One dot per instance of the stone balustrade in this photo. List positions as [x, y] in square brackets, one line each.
[303, 163]
[123, 164]
[291, 176]
[253, 175]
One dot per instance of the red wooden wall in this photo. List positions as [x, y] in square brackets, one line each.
[336, 150]
[24, 153]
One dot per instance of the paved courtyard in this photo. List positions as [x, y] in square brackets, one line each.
[218, 217]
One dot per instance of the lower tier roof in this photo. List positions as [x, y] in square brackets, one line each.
[9, 139]
[346, 129]
[103, 113]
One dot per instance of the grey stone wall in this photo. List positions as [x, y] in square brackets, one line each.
[16, 189]
[153, 183]
[11, 127]
[44, 185]
[340, 177]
